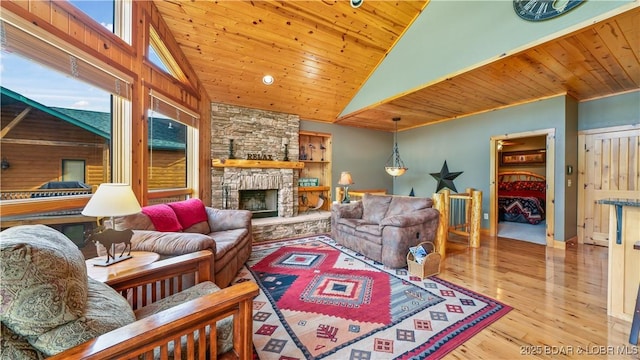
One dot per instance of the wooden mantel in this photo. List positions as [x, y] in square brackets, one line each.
[262, 164]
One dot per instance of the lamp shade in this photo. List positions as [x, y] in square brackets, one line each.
[395, 166]
[395, 171]
[345, 178]
[112, 199]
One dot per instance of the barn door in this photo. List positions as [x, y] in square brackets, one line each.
[609, 167]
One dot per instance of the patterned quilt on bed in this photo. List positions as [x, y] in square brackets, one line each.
[521, 209]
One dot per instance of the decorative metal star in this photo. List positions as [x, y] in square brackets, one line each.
[445, 178]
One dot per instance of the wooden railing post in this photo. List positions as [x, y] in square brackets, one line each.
[439, 203]
[476, 216]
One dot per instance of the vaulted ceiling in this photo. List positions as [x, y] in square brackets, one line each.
[322, 52]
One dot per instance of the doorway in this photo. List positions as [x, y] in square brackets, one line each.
[522, 163]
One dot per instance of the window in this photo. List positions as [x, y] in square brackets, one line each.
[167, 141]
[99, 10]
[54, 128]
[73, 170]
[172, 141]
[57, 105]
[159, 55]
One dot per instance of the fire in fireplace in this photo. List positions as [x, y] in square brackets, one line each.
[262, 203]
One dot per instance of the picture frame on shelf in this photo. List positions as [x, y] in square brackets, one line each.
[527, 157]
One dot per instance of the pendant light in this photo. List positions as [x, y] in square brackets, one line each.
[395, 166]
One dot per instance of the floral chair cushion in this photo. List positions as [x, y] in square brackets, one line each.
[14, 346]
[106, 310]
[44, 279]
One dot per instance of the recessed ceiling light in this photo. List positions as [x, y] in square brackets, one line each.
[268, 79]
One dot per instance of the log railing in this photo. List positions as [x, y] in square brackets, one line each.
[41, 193]
[460, 214]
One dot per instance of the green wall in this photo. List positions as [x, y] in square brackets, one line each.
[450, 36]
[362, 152]
[464, 144]
[610, 111]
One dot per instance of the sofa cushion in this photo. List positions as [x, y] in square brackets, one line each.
[171, 243]
[224, 327]
[374, 230]
[352, 223]
[406, 204]
[200, 228]
[106, 310]
[44, 279]
[192, 293]
[163, 217]
[138, 221]
[375, 207]
[189, 212]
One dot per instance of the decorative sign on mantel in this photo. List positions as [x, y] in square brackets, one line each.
[259, 157]
[263, 164]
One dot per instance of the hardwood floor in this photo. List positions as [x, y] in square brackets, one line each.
[559, 300]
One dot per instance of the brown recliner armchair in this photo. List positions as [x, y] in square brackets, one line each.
[384, 227]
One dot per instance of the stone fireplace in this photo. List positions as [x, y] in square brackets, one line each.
[244, 133]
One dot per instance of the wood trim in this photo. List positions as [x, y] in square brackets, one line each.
[11, 208]
[256, 164]
[158, 194]
[609, 129]
[549, 175]
[519, 175]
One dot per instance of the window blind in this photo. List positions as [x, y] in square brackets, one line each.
[16, 40]
[167, 107]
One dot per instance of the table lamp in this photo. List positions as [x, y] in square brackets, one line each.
[111, 200]
[345, 181]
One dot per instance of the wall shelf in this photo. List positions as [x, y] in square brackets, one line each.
[313, 188]
[316, 146]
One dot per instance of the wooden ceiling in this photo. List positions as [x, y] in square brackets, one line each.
[321, 52]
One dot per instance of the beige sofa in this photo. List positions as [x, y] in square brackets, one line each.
[227, 233]
[383, 227]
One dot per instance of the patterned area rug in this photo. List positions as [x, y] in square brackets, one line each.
[320, 300]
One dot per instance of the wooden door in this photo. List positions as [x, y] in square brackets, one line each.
[609, 167]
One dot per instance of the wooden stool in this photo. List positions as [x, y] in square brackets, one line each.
[635, 325]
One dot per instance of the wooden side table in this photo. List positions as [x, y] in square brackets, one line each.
[104, 273]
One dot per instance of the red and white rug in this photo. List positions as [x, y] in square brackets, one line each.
[320, 300]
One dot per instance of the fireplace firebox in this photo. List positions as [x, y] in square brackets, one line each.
[262, 203]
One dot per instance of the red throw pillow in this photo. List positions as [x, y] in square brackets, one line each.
[189, 212]
[162, 217]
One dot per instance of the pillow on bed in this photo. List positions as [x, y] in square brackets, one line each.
[505, 186]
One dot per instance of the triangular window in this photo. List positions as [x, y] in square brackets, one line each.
[159, 55]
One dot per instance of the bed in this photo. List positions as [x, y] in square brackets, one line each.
[521, 197]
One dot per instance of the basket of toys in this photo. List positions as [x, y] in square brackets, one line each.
[423, 260]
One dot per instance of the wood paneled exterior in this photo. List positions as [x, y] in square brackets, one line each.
[609, 167]
[36, 146]
[36, 141]
[168, 170]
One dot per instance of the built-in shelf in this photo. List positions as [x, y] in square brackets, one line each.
[314, 188]
[261, 164]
